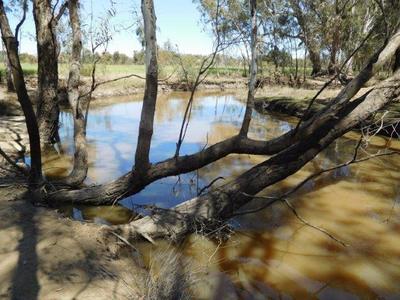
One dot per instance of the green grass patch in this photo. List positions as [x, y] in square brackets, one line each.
[225, 71]
[29, 69]
[105, 70]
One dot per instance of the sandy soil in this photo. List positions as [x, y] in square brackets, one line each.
[45, 256]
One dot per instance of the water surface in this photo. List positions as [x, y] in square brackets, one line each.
[273, 253]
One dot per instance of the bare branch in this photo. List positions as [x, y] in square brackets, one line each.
[12, 163]
[209, 185]
[308, 110]
[291, 207]
[21, 22]
[61, 11]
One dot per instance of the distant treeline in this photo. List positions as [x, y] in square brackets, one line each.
[277, 58]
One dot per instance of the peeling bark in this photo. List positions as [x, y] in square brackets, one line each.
[142, 162]
[80, 167]
[253, 71]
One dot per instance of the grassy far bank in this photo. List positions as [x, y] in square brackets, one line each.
[294, 102]
[131, 85]
[102, 69]
[110, 70]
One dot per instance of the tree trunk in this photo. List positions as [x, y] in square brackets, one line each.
[134, 181]
[253, 71]
[315, 59]
[332, 67]
[47, 52]
[221, 204]
[11, 45]
[80, 167]
[9, 80]
[142, 161]
[308, 38]
[396, 64]
[335, 43]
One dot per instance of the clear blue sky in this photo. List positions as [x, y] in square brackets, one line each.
[177, 20]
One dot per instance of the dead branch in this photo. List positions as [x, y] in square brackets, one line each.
[61, 11]
[308, 110]
[209, 185]
[12, 163]
[305, 222]
[21, 22]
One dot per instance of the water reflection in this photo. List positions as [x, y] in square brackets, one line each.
[273, 254]
[112, 132]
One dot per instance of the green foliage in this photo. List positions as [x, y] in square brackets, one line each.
[28, 68]
[86, 70]
[226, 71]
[27, 58]
[280, 58]
[328, 30]
[188, 68]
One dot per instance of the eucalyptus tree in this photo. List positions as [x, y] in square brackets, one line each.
[46, 18]
[11, 44]
[287, 153]
[8, 75]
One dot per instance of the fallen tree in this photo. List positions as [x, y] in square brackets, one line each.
[290, 152]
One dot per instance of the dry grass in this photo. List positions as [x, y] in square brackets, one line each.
[300, 94]
[169, 276]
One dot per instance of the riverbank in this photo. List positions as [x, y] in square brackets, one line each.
[388, 118]
[273, 254]
[45, 256]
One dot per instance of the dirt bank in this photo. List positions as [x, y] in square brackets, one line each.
[45, 256]
[297, 107]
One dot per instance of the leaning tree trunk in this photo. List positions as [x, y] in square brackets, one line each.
[329, 124]
[8, 71]
[253, 71]
[211, 209]
[133, 182]
[11, 45]
[142, 162]
[47, 52]
[80, 167]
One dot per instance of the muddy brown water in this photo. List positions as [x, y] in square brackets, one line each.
[272, 252]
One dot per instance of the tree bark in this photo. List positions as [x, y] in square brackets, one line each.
[253, 71]
[307, 37]
[80, 167]
[396, 64]
[221, 204]
[9, 80]
[11, 45]
[314, 58]
[142, 162]
[47, 52]
[335, 43]
[332, 67]
[134, 181]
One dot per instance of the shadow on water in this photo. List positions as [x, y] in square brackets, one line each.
[272, 253]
